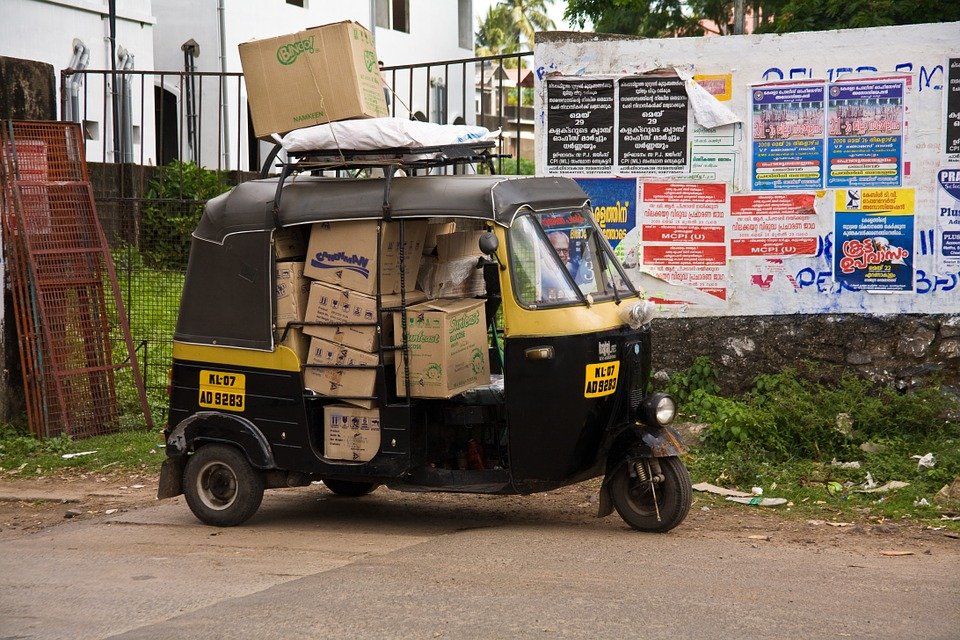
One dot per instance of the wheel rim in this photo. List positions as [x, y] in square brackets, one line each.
[217, 485]
[641, 497]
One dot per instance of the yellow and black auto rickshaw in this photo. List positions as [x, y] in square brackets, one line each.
[569, 348]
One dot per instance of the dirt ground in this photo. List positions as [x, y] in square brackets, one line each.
[31, 505]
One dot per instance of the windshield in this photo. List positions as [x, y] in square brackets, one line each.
[560, 258]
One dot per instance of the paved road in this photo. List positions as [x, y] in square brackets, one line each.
[397, 566]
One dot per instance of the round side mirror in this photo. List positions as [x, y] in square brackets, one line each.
[489, 243]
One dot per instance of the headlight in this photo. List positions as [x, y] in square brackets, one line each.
[638, 314]
[659, 409]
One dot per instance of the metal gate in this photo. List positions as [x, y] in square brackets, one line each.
[66, 300]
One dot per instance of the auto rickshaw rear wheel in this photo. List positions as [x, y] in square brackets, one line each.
[221, 487]
[633, 495]
[349, 488]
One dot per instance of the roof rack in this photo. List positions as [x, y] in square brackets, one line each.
[406, 158]
[390, 160]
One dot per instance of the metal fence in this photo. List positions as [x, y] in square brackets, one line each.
[147, 134]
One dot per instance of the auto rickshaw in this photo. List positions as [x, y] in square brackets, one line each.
[569, 348]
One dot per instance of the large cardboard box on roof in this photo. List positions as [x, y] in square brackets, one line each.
[329, 303]
[340, 382]
[350, 433]
[447, 340]
[345, 254]
[312, 77]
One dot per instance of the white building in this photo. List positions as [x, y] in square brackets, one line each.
[207, 120]
[77, 32]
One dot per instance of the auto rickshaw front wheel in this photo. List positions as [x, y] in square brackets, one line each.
[652, 506]
[221, 487]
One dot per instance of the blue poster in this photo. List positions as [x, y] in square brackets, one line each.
[614, 203]
[874, 239]
[865, 142]
[787, 146]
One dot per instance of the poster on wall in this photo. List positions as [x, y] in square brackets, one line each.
[865, 141]
[787, 136]
[874, 247]
[951, 90]
[580, 118]
[653, 125]
[773, 225]
[683, 234]
[614, 204]
[715, 156]
[948, 218]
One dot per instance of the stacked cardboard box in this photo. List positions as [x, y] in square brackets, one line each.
[333, 292]
[447, 341]
[291, 299]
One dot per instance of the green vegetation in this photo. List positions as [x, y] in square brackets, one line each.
[23, 455]
[789, 435]
[175, 202]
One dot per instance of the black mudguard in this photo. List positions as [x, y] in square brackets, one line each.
[656, 442]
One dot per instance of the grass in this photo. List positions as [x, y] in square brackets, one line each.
[23, 456]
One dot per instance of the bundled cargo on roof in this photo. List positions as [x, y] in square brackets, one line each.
[318, 75]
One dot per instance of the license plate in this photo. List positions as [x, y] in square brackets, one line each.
[223, 390]
[601, 379]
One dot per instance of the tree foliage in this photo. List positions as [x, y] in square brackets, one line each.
[670, 18]
[510, 25]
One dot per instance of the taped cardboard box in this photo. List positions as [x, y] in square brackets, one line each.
[447, 340]
[292, 292]
[342, 382]
[289, 243]
[350, 433]
[311, 77]
[345, 254]
[330, 303]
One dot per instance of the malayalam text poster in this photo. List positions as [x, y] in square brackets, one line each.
[787, 133]
[579, 125]
[683, 234]
[773, 225]
[653, 126]
[865, 142]
[951, 99]
[874, 248]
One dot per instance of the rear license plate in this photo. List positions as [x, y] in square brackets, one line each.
[223, 390]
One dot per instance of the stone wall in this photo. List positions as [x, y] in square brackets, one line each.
[901, 351]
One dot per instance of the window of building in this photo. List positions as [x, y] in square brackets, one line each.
[298, 3]
[465, 24]
[393, 14]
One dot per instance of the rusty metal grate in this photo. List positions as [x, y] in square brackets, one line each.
[67, 304]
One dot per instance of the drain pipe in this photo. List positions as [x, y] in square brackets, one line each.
[224, 104]
[114, 98]
[190, 52]
[78, 63]
[126, 106]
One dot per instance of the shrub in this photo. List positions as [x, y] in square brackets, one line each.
[175, 197]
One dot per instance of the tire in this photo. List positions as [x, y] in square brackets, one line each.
[349, 488]
[221, 487]
[633, 498]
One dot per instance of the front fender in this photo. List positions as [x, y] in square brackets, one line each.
[644, 442]
[213, 426]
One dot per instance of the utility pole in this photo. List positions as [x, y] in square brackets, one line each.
[739, 17]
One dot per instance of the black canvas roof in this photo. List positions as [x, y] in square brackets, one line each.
[307, 199]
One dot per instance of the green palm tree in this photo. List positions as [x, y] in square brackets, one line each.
[509, 26]
[530, 16]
